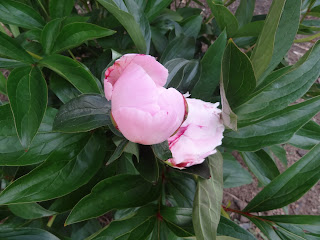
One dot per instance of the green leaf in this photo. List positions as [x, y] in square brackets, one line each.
[202, 170]
[85, 229]
[179, 220]
[261, 165]
[239, 80]
[3, 84]
[10, 63]
[180, 47]
[280, 153]
[207, 201]
[119, 150]
[191, 26]
[11, 49]
[83, 114]
[74, 34]
[154, 7]
[162, 151]
[133, 20]
[63, 89]
[282, 90]
[281, 127]
[234, 175]
[191, 75]
[139, 226]
[59, 9]
[118, 192]
[295, 219]
[210, 69]
[224, 18]
[28, 96]
[72, 71]
[226, 238]
[63, 172]
[147, 164]
[244, 12]
[252, 29]
[19, 14]
[30, 211]
[229, 228]
[276, 38]
[229, 118]
[44, 143]
[290, 185]
[49, 35]
[26, 234]
[266, 228]
[306, 137]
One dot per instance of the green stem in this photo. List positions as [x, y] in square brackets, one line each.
[43, 8]
[246, 214]
[229, 3]
[51, 220]
[307, 39]
[34, 55]
[71, 54]
[308, 10]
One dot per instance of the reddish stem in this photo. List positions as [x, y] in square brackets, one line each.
[245, 214]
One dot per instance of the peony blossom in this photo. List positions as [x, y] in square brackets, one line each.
[198, 136]
[144, 111]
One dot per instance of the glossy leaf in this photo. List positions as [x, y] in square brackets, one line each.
[19, 14]
[191, 26]
[234, 175]
[72, 71]
[261, 165]
[210, 69]
[63, 89]
[277, 36]
[83, 114]
[229, 118]
[162, 151]
[244, 12]
[119, 150]
[147, 164]
[284, 89]
[295, 219]
[290, 185]
[74, 34]
[207, 201]
[229, 228]
[121, 191]
[281, 127]
[135, 22]
[306, 137]
[64, 171]
[28, 95]
[154, 7]
[30, 211]
[49, 34]
[224, 18]
[10, 63]
[238, 76]
[139, 226]
[26, 234]
[10, 48]
[266, 228]
[202, 170]
[59, 9]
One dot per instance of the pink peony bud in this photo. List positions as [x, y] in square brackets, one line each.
[198, 136]
[144, 111]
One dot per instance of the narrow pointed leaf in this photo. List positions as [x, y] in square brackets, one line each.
[49, 35]
[229, 228]
[21, 233]
[244, 12]
[28, 95]
[30, 211]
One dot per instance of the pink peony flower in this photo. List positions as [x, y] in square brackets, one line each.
[144, 111]
[198, 136]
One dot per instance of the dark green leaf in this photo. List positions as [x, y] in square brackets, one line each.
[191, 26]
[180, 47]
[26, 234]
[30, 211]
[85, 229]
[252, 29]
[49, 35]
[295, 219]
[210, 69]
[284, 89]
[59, 9]
[154, 7]
[224, 18]
[306, 137]
[266, 228]
[19, 14]
[3, 84]
[261, 165]
[121, 191]
[147, 164]
[64, 171]
[228, 228]
[63, 89]
[201, 170]
[175, 68]
[244, 12]
[10, 63]
[281, 127]
[191, 75]
[119, 150]
[28, 95]
[229, 118]
[73, 71]
[74, 34]
[207, 201]
[83, 114]
[290, 185]
[162, 151]
[238, 76]
[277, 36]
[234, 175]
[280, 153]
[139, 226]
[133, 20]
[10, 48]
